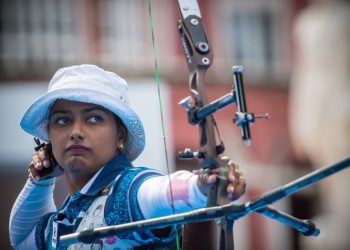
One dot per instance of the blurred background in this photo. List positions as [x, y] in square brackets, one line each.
[296, 58]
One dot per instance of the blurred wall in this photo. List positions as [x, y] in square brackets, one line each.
[320, 111]
[39, 36]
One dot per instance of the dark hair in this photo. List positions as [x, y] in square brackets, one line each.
[120, 125]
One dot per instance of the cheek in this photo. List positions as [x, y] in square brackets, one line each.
[57, 142]
[53, 135]
[107, 142]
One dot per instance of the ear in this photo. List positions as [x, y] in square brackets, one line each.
[122, 134]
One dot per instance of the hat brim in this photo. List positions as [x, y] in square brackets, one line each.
[35, 119]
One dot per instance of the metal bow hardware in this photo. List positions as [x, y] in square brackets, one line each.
[199, 57]
[200, 112]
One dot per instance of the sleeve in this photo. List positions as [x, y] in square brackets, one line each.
[156, 195]
[33, 202]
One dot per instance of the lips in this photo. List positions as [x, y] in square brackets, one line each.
[77, 149]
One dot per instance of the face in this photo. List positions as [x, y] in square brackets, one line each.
[84, 136]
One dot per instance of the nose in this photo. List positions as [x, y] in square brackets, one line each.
[77, 133]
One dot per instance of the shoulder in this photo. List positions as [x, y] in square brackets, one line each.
[121, 205]
[131, 179]
[133, 176]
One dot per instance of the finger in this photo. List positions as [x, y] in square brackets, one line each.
[237, 175]
[230, 188]
[234, 174]
[211, 178]
[44, 157]
[197, 171]
[225, 158]
[30, 166]
[239, 188]
[207, 178]
[37, 162]
[34, 172]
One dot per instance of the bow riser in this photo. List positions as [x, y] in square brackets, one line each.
[199, 57]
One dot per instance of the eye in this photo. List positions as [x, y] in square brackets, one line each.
[62, 121]
[95, 119]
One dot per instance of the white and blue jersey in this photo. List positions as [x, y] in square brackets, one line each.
[117, 194]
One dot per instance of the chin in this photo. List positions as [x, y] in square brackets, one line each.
[76, 163]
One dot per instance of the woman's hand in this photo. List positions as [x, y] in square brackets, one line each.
[236, 183]
[41, 167]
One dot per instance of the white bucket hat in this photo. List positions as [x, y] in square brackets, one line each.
[89, 84]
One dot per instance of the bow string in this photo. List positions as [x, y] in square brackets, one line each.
[162, 116]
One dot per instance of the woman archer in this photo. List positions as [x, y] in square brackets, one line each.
[94, 135]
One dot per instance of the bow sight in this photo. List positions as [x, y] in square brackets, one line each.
[242, 117]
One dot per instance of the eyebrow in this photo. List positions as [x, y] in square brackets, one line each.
[83, 111]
